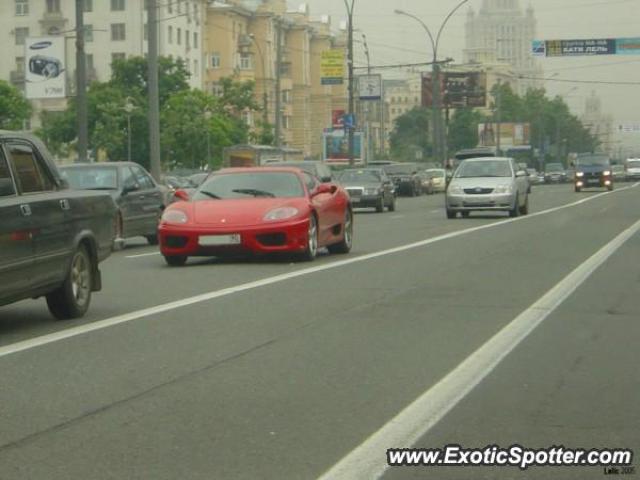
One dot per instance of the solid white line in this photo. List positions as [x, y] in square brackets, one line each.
[396, 217]
[369, 461]
[143, 255]
[128, 317]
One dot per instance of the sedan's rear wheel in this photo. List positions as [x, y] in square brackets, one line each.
[344, 246]
[73, 297]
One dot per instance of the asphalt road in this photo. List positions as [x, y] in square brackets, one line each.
[269, 369]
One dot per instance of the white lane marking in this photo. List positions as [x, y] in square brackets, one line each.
[143, 255]
[369, 460]
[439, 210]
[396, 217]
[129, 317]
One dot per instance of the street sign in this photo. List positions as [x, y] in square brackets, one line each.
[370, 87]
[465, 89]
[337, 119]
[44, 67]
[586, 47]
[336, 146]
[511, 134]
[332, 67]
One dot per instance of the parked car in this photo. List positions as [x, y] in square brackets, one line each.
[369, 188]
[257, 210]
[488, 184]
[534, 176]
[426, 183]
[320, 169]
[555, 173]
[139, 199]
[632, 166]
[438, 179]
[52, 239]
[593, 170]
[405, 178]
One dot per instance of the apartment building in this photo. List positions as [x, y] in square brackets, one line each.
[113, 29]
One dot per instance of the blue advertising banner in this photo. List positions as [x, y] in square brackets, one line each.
[586, 47]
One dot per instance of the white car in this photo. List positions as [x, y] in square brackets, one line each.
[438, 179]
[633, 169]
[488, 184]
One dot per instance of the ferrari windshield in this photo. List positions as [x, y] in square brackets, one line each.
[365, 176]
[250, 184]
[91, 178]
[484, 168]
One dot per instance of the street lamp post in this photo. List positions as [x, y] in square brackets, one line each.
[367, 112]
[207, 117]
[351, 126]
[438, 133]
[129, 108]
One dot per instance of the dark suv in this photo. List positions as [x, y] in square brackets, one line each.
[593, 170]
[405, 177]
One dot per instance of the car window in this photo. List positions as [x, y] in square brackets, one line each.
[144, 180]
[127, 178]
[7, 188]
[310, 181]
[30, 176]
[91, 178]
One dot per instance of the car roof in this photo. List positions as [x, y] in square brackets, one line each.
[100, 164]
[485, 159]
[264, 169]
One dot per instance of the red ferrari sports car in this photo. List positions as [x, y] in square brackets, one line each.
[257, 210]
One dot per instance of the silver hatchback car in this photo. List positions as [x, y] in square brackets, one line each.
[487, 184]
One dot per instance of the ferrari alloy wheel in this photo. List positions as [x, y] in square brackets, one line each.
[72, 299]
[312, 240]
[344, 246]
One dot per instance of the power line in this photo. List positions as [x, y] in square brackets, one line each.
[592, 82]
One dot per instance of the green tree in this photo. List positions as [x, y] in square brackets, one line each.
[14, 108]
[463, 129]
[410, 135]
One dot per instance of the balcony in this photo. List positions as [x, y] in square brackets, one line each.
[16, 77]
[52, 21]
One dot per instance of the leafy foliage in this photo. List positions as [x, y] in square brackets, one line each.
[410, 135]
[14, 108]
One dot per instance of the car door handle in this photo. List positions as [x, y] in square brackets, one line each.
[26, 210]
[65, 205]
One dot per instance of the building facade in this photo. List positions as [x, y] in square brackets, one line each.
[501, 32]
[599, 123]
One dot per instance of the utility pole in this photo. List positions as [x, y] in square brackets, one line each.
[351, 127]
[498, 116]
[367, 111]
[154, 95]
[81, 85]
[278, 99]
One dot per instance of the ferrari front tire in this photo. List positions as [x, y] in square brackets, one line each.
[311, 250]
[344, 246]
[175, 260]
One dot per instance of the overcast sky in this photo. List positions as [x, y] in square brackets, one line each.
[393, 39]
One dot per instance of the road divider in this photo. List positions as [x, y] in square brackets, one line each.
[167, 307]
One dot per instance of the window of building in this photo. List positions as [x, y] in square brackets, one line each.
[179, 36]
[22, 7]
[187, 38]
[118, 56]
[89, 61]
[196, 68]
[170, 7]
[146, 31]
[117, 5]
[286, 96]
[195, 39]
[286, 122]
[20, 64]
[88, 5]
[215, 60]
[170, 34]
[179, 6]
[88, 33]
[118, 32]
[245, 62]
[21, 35]
[217, 90]
[53, 6]
[247, 118]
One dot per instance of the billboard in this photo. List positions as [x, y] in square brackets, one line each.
[44, 67]
[337, 118]
[511, 134]
[459, 89]
[586, 47]
[332, 67]
[336, 146]
[370, 87]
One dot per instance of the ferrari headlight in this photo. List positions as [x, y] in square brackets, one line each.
[174, 216]
[579, 174]
[282, 213]
[455, 190]
[504, 189]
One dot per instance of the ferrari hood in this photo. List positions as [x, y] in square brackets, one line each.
[240, 211]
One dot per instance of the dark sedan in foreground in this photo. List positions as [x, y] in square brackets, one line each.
[369, 188]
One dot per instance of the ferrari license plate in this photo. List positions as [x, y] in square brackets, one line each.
[218, 240]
